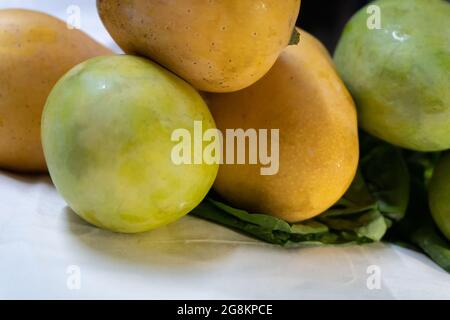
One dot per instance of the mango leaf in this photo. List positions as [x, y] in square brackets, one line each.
[377, 198]
[418, 228]
[295, 38]
[429, 239]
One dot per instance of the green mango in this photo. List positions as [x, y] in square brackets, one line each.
[107, 133]
[439, 195]
[399, 74]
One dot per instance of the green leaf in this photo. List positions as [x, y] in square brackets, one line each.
[418, 227]
[386, 175]
[262, 220]
[377, 198]
[309, 227]
[295, 38]
[429, 239]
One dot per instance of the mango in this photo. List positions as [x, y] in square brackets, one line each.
[35, 51]
[303, 97]
[395, 61]
[439, 195]
[107, 134]
[217, 46]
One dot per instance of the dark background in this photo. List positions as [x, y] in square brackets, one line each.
[326, 18]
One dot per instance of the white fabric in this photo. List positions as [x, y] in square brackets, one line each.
[42, 240]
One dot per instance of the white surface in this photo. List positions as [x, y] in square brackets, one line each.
[40, 238]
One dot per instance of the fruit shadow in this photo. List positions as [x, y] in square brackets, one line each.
[185, 242]
[29, 177]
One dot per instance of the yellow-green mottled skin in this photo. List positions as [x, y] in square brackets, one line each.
[439, 195]
[399, 75]
[106, 133]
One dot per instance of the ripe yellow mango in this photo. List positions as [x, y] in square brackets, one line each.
[216, 45]
[305, 99]
[35, 51]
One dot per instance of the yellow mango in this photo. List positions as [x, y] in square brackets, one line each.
[216, 45]
[305, 99]
[35, 51]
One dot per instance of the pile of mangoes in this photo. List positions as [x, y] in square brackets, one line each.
[107, 130]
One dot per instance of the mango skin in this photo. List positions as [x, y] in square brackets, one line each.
[217, 46]
[439, 195]
[106, 132]
[35, 51]
[304, 98]
[399, 75]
